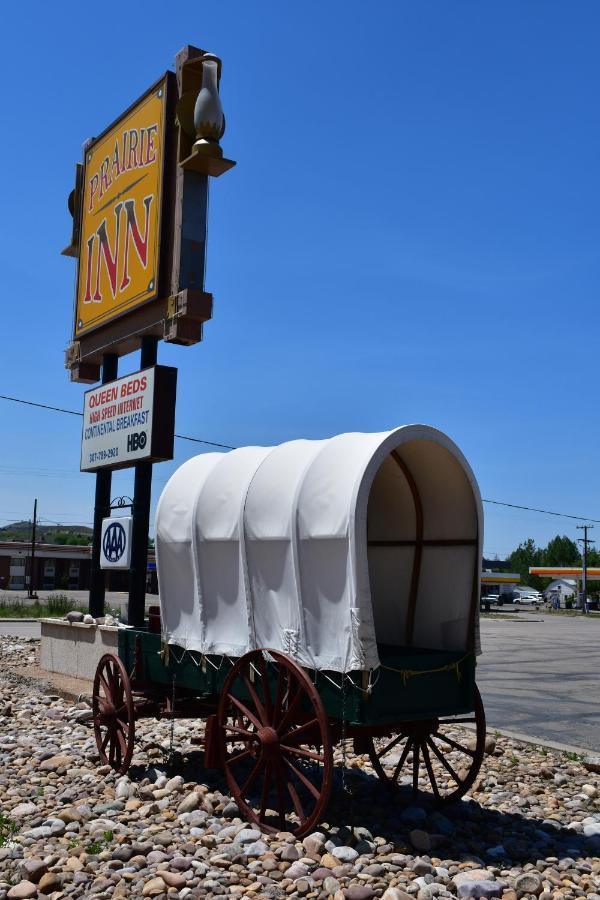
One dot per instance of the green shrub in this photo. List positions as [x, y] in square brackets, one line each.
[59, 604]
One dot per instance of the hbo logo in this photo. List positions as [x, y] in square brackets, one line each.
[136, 441]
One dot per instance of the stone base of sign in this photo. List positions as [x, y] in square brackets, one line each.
[75, 649]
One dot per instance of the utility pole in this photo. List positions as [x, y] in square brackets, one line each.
[585, 540]
[31, 592]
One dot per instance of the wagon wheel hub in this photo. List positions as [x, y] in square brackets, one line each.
[269, 740]
[108, 710]
[419, 731]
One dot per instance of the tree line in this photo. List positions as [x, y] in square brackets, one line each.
[560, 551]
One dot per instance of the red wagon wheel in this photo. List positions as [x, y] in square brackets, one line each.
[434, 756]
[114, 713]
[274, 743]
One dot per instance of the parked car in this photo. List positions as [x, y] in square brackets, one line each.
[530, 599]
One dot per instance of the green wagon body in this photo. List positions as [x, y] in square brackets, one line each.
[411, 683]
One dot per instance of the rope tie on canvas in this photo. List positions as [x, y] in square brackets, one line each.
[406, 674]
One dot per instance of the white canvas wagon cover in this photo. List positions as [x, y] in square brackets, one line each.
[323, 549]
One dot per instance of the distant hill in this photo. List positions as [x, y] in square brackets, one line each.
[47, 534]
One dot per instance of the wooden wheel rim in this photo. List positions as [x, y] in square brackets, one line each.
[428, 746]
[114, 713]
[268, 730]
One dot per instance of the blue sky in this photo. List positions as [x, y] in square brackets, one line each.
[411, 234]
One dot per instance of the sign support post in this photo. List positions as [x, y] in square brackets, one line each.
[32, 594]
[141, 514]
[110, 362]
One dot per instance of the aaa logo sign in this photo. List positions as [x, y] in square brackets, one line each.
[115, 543]
[120, 233]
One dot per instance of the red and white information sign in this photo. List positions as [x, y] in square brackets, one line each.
[129, 420]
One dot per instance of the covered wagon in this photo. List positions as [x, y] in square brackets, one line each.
[311, 593]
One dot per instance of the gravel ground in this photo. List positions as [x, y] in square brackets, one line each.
[531, 827]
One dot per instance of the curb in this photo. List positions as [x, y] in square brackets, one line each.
[12, 621]
[544, 742]
[536, 741]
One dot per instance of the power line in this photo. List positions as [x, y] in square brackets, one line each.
[72, 412]
[546, 512]
[187, 437]
[69, 412]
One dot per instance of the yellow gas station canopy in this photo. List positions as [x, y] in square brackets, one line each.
[564, 572]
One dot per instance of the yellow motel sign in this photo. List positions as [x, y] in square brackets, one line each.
[121, 209]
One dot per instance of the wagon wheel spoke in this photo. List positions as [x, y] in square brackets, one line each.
[105, 739]
[415, 768]
[244, 754]
[123, 737]
[112, 680]
[264, 797]
[256, 700]
[121, 741]
[104, 684]
[279, 790]
[307, 754]
[279, 692]
[115, 750]
[242, 722]
[293, 735]
[430, 771]
[118, 686]
[444, 761]
[296, 800]
[290, 711]
[249, 735]
[241, 706]
[452, 743]
[302, 777]
[402, 760]
[262, 666]
[252, 776]
[390, 746]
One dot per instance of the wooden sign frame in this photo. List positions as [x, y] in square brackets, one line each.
[181, 305]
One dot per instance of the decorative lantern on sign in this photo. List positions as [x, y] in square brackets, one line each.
[200, 117]
[209, 120]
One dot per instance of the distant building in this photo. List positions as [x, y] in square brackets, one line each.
[500, 583]
[562, 589]
[59, 567]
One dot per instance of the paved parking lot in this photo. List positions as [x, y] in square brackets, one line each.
[20, 629]
[540, 676]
